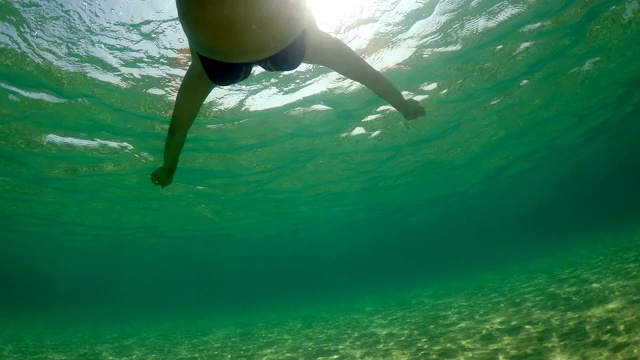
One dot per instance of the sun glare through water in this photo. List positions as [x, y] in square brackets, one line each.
[332, 13]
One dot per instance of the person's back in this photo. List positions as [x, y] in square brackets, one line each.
[239, 31]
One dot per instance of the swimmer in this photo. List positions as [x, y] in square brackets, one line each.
[228, 37]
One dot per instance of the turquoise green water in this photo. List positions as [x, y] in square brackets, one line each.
[503, 224]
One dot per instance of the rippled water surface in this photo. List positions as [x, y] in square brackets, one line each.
[308, 219]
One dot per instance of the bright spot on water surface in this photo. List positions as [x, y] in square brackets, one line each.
[328, 13]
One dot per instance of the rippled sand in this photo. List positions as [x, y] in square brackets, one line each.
[586, 306]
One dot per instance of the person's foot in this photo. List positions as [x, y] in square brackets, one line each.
[412, 110]
[161, 177]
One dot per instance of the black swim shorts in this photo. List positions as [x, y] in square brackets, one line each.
[224, 73]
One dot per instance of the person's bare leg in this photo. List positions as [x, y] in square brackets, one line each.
[326, 50]
[194, 89]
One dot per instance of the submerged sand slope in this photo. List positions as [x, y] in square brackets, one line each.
[582, 305]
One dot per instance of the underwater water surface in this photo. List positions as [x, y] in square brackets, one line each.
[308, 220]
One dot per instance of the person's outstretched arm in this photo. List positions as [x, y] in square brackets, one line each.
[194, 89]
[324, 49]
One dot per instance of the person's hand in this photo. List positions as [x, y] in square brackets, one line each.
[162, 177]
[412, 110]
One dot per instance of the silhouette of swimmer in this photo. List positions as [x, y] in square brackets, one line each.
[227, 38]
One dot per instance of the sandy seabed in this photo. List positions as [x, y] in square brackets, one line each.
[581, 305]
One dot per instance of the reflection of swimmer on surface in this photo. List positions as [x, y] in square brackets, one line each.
[182, 60]
[228, 37]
